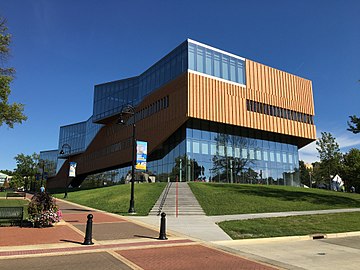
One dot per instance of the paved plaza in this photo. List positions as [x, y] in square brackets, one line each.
[194, 242]
[119, 243]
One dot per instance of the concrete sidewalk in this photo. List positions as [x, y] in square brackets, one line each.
[336, 251]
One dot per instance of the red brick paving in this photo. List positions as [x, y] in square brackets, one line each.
[16, 236]
[189, 257]
[98, 217]
[91, 247]
[174, 257]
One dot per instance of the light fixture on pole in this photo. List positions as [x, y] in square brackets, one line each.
[62, 152]
[127, 112]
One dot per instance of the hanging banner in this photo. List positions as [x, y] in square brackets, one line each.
[141, 155]
[72, 169]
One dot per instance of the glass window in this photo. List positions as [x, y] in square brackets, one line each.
[272, 156]
[232, 70]
[196, 148]
[278, 157]
[205, 135]
[258, 154]
[200, 59]
[222, 150]
[284, 157]
[229, 151]
[225, 67]
[188, 146]
[265, 156]
[291, 158]
[208, 63]
[240, 72]
[213, 149]
[251, 154]
[189, 133]
[191, 56]
[216, 65]
[237, 152]
[244, 153]
[196, 133]
[204, 148]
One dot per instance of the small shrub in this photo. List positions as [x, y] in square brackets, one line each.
[43, 211]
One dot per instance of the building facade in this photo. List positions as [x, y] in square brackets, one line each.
[207, 115]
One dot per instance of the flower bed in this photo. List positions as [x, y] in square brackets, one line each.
[43, 211]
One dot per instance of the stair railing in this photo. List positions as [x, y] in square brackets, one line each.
[166, 191]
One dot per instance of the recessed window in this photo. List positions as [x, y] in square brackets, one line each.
[204, 148]
[196, 148]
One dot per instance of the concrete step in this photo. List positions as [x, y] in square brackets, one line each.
[187, 203]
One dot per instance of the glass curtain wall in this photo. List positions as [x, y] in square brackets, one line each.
[110, 98]
[212, 152]
[223, 154]
[50, 161]
[215, 63]
[78, 136]
[73, 135]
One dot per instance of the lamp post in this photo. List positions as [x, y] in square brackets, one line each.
[42, 164]
[62, 152]
[127, 112]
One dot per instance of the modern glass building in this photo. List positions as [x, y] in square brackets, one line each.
[207, 115]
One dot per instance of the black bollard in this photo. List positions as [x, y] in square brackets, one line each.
[88, 234]
[162, 235]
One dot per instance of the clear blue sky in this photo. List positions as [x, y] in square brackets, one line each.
[61, 49]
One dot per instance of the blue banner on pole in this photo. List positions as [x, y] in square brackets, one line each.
[72, 169]
[141, 155]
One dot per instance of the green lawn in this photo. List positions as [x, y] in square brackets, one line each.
[291, 226]
[116, 199]
[228, 199]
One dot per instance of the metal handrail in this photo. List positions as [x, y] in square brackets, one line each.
[166, 191]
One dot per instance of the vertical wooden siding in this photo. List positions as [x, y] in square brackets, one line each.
[219, 101]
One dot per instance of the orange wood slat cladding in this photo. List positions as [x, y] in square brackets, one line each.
[265, 85]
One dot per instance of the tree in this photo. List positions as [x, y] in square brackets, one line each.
[27, 168]
[9, 113]
[330, 156]
[304, 174]
[354, 124]
[7, 172]
[351, 169]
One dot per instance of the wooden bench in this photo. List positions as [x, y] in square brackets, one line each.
[16, 194]
[12, 213]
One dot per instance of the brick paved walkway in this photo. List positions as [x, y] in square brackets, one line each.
[118, 244]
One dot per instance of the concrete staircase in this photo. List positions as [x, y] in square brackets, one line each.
[187, 203]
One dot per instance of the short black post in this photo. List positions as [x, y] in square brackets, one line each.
[162, 235]
[88, 235]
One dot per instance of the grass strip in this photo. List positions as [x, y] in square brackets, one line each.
[292, 226]
[229, 199]
[116, 199]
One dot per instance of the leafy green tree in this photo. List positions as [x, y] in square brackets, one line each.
[9, 113]
[330, 156]
[7, 172]
[305, 177]
[17, 181]
[351, 169]
[27, 168]
[354, 124]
